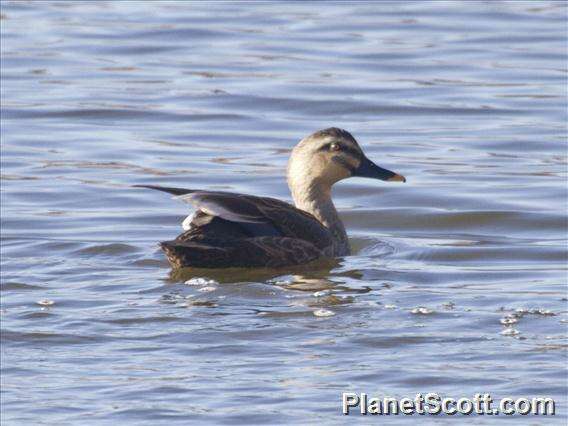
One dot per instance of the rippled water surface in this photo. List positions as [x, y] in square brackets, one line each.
[467, 100]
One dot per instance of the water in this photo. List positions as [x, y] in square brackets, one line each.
[467, 100]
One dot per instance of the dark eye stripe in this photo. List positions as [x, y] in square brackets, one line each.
[344, 163]
[342, 148]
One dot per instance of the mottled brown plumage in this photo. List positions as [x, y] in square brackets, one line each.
[270, 233]
[237, 230]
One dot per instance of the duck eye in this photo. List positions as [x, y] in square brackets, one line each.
[334, 147]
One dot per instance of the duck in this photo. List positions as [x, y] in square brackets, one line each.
[232, 230]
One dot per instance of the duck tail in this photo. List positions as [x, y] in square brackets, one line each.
[168, 189]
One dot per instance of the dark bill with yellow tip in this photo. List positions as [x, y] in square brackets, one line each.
[369, 169]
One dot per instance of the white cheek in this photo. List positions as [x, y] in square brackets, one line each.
[186, 224]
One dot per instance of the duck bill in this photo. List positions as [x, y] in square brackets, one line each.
[369, 169]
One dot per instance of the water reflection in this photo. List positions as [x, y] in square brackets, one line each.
[319, 269]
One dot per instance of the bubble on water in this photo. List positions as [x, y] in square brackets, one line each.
[207, 289]
[508, 320]
[322, 293]
[324, 313]
[200, 281]
[45, 302]
[421, 310]
[521, 312]
[391, 306]
[510, 331]
[543, 312]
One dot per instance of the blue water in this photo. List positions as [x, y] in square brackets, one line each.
[466, 99]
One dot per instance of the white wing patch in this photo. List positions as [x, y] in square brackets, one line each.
[186, 224]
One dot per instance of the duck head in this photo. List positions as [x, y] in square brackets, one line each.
[328, 156]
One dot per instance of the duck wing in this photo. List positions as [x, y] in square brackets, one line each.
[230, 215]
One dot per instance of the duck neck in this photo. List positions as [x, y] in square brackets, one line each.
[315, 199]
